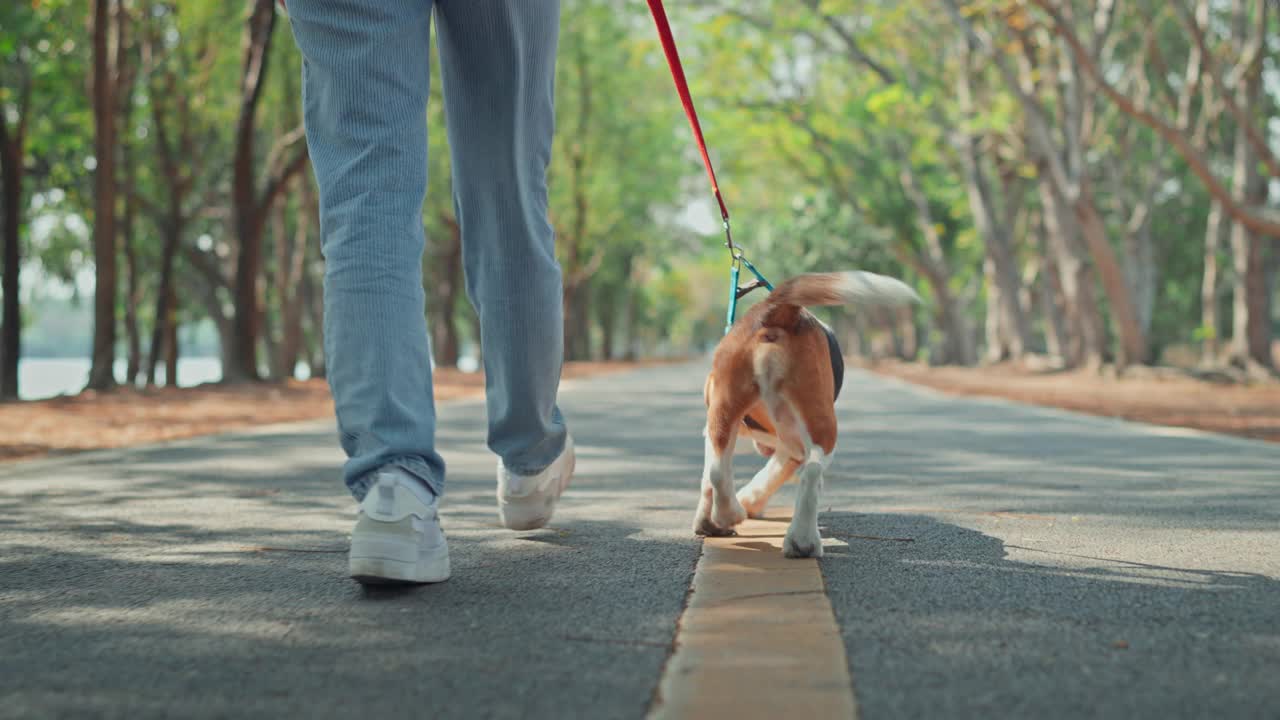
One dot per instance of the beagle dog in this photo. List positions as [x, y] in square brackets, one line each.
[775, 376]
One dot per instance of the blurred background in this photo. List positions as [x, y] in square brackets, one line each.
[1079, 185]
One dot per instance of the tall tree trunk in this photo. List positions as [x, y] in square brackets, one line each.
[1009, 331]
[172, 350]
[993, 330]
[133, 284]
[12, 150]
[958, 342]
[126, 76]
[275, 294]
[1210, 346]
[101, 373]
[1062, 152]
[1141, 272]
[888, 319]
[164, 313]
[577, 320]
[1251, 328]
[290, 268]
[910, 333]
[1084, 320]
[631, 316]
[247, 208]
[1049, 292]
[1133, 341]
[447, 278]
[606, 318]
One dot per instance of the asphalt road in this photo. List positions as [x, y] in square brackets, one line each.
[1001, 561]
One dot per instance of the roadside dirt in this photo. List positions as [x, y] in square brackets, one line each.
[91, 421]
[1251, 411]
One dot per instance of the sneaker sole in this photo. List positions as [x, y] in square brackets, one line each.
[517, 514]
[375, 561]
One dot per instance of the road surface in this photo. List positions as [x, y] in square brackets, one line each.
[983, 560]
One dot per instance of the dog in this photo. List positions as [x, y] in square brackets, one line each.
[775, 376]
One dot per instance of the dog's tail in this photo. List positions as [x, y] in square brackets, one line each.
[843, 288]
[839, 288]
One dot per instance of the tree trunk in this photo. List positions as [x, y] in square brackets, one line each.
[606, 318]
[630, 314]
[910, 333]
[101, 374]
[577, 320]
[958, 345]
[165, 312]
[1141, 273]
[290, 269]
[1133, 341]
[133, 285]
[447, 278]
[12, 150]
[996, 337]
[1049, 293]
[246, 207]
[1210, 347]
[957, 338]
[125, 80]
[1084, 320]
[1008, 331]
[172, 350]
[1251, 326]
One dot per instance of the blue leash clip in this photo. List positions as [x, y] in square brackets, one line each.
[736, 292]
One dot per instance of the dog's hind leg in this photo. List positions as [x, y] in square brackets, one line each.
[803, 539]
[718, 508]
[816, 432]
[755, 495]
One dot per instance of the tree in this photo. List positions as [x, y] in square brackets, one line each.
[1066, 167]
[1245, 202]
[612, 171]
[17, 88]
[251, 207]
[107, 26]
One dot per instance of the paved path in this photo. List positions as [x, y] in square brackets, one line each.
[985, 560]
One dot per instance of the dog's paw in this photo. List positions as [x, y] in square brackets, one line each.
[702, 525]
[728, 515]
[802, 544]
[753, 505]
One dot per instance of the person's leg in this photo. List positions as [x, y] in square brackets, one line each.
[497, 62]
[365, 70]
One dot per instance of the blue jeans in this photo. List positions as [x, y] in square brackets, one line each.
[365, 87]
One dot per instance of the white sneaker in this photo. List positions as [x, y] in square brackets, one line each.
[397, 538]
[526, 502]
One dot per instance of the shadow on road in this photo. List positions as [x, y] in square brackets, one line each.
[941, 622]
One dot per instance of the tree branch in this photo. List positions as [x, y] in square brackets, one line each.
[207, 265]
[1251, 219]
[1243, 121]
[277, 183]
[1037, 120]
[851, 44]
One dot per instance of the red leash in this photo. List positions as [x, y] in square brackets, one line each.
[682, 87]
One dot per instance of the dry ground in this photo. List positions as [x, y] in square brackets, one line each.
[91, 421]
[1162, 398]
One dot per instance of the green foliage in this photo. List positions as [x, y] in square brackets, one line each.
[814, 110]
